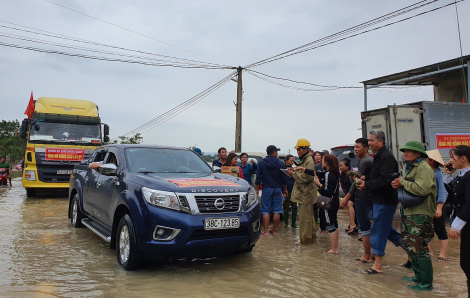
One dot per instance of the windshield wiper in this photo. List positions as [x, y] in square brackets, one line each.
[145, 172]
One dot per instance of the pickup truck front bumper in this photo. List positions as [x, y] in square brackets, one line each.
[192, 240]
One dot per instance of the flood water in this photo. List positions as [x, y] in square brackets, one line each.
[43, 256]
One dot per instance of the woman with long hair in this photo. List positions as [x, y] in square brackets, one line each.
[232, 160]
[460, 159]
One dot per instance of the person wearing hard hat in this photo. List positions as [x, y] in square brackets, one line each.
[417, 220]
[305, 192]
[435, 161]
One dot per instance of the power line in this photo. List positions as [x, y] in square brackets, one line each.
[61, 36]
[23, 38]
[323, 86]
[287, 86]
[103, 58]
[122, 28]
[180, 108]
[327, 88]
[321, 42]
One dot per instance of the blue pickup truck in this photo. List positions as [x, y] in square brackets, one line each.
[160, 202]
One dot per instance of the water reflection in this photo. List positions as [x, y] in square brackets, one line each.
[42, 256]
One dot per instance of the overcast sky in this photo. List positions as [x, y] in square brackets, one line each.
[231, 33]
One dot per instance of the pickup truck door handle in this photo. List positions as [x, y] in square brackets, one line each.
[98, 184]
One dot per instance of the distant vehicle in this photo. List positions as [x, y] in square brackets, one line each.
[159, 202]
[59, 135]
[346, 151]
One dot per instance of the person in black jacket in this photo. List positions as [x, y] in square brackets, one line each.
[460, 159]
[384, 197]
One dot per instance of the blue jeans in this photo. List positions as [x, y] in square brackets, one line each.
[382, 229]
[271, 198]
[364, 208]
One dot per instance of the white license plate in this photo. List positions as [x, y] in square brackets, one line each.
[221, 223]
[64, 172]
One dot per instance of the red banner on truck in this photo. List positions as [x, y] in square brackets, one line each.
[65, 154]
[449, 141]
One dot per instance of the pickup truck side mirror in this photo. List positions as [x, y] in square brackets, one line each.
[352, 155]
[108, 169]
[217, 169]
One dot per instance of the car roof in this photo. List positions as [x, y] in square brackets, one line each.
[124, 146]
[342, 147]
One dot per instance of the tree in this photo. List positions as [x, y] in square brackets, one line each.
[135, 139]
[11, 143]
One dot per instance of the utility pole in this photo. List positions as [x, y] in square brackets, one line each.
[238, 125]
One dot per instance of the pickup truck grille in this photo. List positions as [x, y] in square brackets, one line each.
[213, 234]
[207, 205]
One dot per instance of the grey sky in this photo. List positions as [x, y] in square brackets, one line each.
[233, 33]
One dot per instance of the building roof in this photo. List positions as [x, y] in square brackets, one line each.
[426, 75]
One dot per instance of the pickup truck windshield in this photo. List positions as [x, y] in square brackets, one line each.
[65, 132]
[152, 160]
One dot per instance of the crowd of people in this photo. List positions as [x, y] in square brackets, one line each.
[311, 189]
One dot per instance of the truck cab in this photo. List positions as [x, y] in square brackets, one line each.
[60, 134]
[161, 202]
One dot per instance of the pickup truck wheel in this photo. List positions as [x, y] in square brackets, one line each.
[245, 249]
[77, 215]
[129, 255]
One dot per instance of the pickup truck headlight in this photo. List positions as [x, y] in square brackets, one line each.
[161, 198]
[251, 197]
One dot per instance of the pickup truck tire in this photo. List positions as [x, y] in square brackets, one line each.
[128, 253]
[76, 215]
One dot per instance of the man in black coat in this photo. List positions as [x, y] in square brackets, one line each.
[384, 197]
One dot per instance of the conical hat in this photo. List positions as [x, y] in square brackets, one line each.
[435, 155]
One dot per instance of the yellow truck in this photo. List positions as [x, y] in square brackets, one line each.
[60, 134]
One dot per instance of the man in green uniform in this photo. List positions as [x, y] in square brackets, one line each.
[5, 165]
[305, 193]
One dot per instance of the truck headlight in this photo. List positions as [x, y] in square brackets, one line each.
[251, 197]
[161, 198]
[30, 175]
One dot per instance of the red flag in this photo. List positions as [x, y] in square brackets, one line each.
[30, 109]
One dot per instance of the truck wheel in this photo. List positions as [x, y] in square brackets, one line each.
[129, 255]
[77, 215]
[30, 192]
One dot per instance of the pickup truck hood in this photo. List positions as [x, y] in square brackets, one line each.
[189, 182]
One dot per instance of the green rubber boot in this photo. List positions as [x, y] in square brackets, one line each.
[294, 217]
[286, 217]
[426, 273]
[415, 267]
[315, 215]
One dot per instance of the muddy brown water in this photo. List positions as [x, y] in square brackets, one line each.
[43, 256]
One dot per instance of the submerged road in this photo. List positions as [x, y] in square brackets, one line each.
[43, 256]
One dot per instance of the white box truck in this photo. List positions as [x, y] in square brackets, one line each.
[438, 125]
